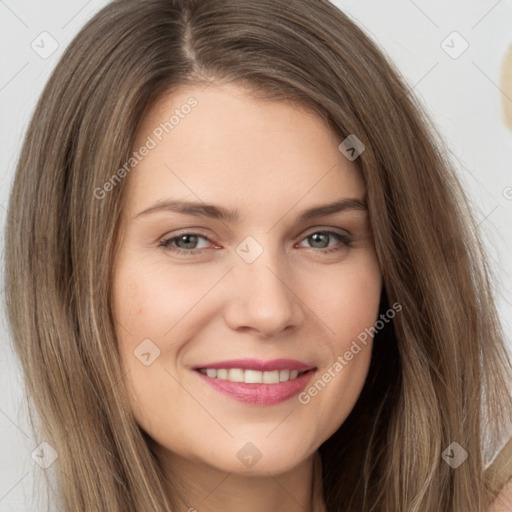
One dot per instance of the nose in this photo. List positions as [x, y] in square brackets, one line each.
[262, 298]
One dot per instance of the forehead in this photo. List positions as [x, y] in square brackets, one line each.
[221, 144]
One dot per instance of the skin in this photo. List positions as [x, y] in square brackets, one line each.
[270, 161]
[503, 502]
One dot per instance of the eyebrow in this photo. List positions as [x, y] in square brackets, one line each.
[200, 209]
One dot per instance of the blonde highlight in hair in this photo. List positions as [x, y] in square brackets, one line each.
[439, 372]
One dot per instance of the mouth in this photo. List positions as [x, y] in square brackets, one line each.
[256, 382]
[252, 376]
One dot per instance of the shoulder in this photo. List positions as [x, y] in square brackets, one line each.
[503, 502]
[499, 476]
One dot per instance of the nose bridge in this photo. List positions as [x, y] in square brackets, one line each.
[263, 298]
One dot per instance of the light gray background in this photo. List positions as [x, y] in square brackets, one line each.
[462, 95]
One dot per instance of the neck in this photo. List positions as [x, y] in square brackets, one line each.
[208, 489]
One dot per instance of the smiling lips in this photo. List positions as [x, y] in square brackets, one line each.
[257, 382]
[251, 376]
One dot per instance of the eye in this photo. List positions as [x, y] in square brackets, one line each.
[321, 240]
[184, 243]
[193, 243]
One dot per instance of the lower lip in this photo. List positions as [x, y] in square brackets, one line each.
[259, 394]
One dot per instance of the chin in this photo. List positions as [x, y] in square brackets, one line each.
[264, 455]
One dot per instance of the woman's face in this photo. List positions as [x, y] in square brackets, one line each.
[235, 288]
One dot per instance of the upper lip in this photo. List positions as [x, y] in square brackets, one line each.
[258, 364]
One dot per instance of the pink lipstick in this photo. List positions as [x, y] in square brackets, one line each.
[257, 382]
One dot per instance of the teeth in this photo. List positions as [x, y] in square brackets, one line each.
[284, 375]
[271, 377]
[222, 374]
[251, 376]
[236, 375]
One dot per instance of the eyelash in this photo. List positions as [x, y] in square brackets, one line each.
[166, 243]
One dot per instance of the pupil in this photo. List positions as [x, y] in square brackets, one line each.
[317, 238]
[188, 239]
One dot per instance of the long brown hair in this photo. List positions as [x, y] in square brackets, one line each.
[439, 371]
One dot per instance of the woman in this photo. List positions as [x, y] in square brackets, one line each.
[247, 277]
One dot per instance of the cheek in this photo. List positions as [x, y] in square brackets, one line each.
[152, 311]
[150, 301]
[350, 304]
[351, 307]
[143, 316]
